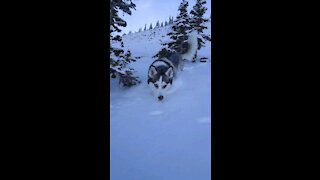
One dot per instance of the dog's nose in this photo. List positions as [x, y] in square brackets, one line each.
[160, 98]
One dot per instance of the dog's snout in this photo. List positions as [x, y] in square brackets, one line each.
[160, 98]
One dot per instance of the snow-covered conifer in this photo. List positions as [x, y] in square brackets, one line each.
[180, 29]
[170, 20]
[198, 21]
[179, 34]
[118, 61]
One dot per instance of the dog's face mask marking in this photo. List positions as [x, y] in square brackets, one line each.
[152, 72]
[162, 84]
[169, 73]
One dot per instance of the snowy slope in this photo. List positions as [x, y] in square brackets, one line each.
[168, 140]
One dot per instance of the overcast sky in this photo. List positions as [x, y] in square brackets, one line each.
[150, 11]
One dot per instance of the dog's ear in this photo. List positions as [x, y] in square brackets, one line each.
[152, 71]
[169, 72]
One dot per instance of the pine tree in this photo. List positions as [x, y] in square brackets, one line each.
[140, 30]
[150, 26]
[157, 24]
[129, 80]
[161, 25]
[119, 61]
[180, 29]
[179, 34]
[198, 22]
[165, 23]
[171, 20]
[145, 27]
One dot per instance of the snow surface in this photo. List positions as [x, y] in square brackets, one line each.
[161, 140]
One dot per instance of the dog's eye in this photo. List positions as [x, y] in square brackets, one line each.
[156, 85]
[164, 86]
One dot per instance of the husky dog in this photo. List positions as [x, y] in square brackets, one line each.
[163, 70]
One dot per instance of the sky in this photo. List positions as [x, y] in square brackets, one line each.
[150, 11]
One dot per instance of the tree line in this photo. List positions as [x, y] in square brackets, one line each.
[158, 24]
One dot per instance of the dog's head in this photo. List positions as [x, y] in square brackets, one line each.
[160, 82]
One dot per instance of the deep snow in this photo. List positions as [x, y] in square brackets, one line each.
[168, 140]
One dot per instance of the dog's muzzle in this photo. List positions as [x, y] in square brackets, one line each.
[160, 98]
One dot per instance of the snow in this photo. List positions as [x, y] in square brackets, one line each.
[161, 140]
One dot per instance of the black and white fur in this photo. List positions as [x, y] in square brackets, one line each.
[163, 70]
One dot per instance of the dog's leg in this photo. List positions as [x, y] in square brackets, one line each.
[181, 64]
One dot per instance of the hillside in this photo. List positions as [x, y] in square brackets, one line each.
[168, 140]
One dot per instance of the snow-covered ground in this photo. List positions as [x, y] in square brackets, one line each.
[167, 140]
